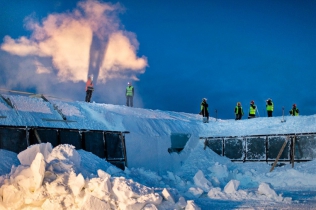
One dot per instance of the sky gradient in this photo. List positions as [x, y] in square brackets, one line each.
[174, 53]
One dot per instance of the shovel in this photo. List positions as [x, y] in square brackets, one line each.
[283, 120]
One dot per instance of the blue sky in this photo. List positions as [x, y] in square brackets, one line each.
[226, 51]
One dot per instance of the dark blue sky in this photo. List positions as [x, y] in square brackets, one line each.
[226, 51]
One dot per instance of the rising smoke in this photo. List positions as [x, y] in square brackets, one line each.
[88, 40]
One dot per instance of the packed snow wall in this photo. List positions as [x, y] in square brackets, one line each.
[159, 140]
[163, 153]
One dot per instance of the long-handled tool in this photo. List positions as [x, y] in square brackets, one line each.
[283, 120]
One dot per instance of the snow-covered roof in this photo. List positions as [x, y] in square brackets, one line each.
[195, 178]
[35, 111]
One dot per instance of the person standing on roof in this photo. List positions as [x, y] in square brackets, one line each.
[269, 107]
[294, 111]
[89, 88]
[252, 110]
[239, 111]
[129, 94]
[204, 110]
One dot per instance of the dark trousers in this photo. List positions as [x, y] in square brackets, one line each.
[251, 116]
[129, 101]
[88, 95]
[269, 113]
[238, 116]
[207, 116]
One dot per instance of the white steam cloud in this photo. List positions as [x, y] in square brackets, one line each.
[67, 40]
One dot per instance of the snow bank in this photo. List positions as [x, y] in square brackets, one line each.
[49, 178]
[43, 177]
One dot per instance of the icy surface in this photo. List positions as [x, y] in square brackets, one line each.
[42, 177]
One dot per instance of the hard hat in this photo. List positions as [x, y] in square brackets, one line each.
[204, 99]
[128, 83]
[252, 102]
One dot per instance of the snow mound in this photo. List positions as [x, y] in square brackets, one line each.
[47, 179]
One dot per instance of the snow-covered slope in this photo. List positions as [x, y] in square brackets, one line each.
[150, 130]
[59, 178]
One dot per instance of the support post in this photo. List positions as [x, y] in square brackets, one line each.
[245, 148]
[223, 147]
[124, 148]
[205, 143]
[267, 148]
[280, 153]
[27, 130]
[293, 151]
[37, 136]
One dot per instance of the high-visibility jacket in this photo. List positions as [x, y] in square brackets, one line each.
[89, 85]
[294, 112]
[270, 107]
[129, 90]
[252, 110]
[238, 110]
[204, 104]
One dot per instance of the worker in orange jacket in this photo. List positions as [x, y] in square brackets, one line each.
[89, 88]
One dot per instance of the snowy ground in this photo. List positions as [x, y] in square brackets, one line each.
[43, 177]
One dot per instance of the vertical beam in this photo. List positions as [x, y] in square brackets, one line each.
[267, 148]
[245, 148]
[58, 136]
[104, 146]
[293, 151]
[223, 147]
[27, 136]
[123, 148]
[82, 140]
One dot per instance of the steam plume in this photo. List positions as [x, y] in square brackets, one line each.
[87, 40]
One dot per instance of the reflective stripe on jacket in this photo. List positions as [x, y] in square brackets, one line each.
[252, 110]
[237, 110]
[294, 112]
[270, 107]
[89, 84]
[204, 104]
[129, 91]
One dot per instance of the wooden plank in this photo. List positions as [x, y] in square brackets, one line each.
[37, 136]
[280, 153]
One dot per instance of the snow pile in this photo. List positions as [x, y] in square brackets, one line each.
[231, 192]
[195, 178]
[47, 179]
[56, 178]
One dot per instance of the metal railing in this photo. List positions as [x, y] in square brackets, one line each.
[297, 147]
